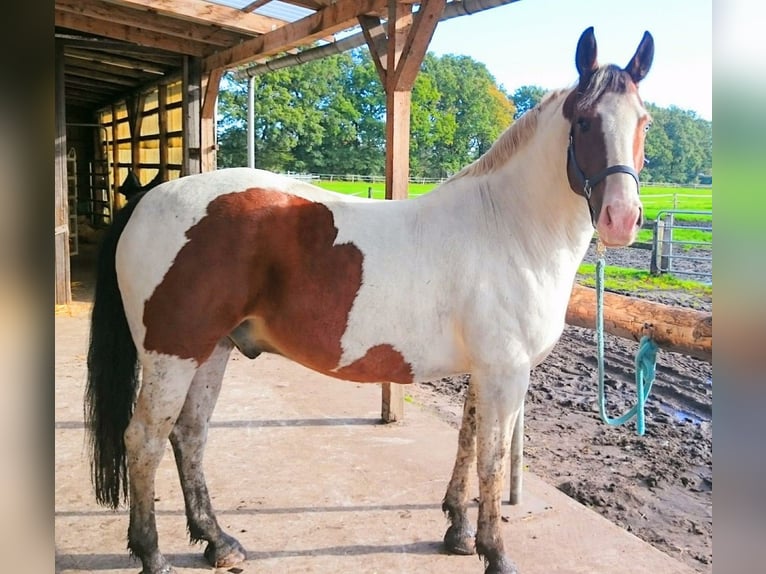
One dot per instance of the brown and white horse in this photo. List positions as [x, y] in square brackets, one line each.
[249, 259]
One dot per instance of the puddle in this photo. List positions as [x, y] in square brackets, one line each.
[681, 415]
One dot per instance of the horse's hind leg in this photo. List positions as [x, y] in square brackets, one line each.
[188, 438]
[164, 385]
[459, 538]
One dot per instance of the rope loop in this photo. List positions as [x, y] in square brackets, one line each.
[646, 360]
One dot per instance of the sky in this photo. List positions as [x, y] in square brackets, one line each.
[533, 42]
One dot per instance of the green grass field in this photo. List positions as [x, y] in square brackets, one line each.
[634, 280]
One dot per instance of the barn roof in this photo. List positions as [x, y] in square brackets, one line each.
[113, 48]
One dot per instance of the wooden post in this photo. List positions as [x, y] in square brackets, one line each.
[210, 84]
[162, 121]
[192, 104]
[676, 329]
[517, 458]
[135, 108]
[397, 59]
[63, 287]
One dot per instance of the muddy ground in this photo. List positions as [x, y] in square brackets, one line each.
[658, 486]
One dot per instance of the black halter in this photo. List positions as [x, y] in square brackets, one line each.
[588, 183]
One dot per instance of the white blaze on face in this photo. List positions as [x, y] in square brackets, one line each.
[623, 119]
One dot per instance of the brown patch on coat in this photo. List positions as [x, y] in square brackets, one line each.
[268, 255]
[379, 361]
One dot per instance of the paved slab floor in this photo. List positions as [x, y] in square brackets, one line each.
[303, 474]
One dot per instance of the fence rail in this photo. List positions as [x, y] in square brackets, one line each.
[681, 256]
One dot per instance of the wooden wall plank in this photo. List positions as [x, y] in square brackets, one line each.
[63, 288]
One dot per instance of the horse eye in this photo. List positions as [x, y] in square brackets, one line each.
[583, 124]
[647, 125]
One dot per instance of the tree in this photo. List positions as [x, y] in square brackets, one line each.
[679, 146]
[527, 97]
[469, 115]
[328, 116]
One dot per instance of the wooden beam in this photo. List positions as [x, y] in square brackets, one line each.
[130, 34]
[334, 18]
[375, 36]
[207, 13]
[75, 71]
[397, 153]
[416, 44]
[135, 106]
[128, 53]
[397, 104]
[210, 85]
[162, 120]
[192, 108]
[63, 287]
[676, 329]
[115, 14]
[73, 62]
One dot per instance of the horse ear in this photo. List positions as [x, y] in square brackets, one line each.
[641, 61]
[585, 58]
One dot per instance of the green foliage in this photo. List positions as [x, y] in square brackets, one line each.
[527, 97]
[679, 146]
[328, 116]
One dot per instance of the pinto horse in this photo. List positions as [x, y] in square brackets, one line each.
[249, 259]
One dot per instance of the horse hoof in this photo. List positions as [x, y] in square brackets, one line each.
[226, 554]
[460, 541]
[501, 566]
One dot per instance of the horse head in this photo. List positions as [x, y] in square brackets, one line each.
[606, 139]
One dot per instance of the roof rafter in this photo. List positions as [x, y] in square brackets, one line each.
[99, 10]
[129, 34]
[334, 18]
[207, 13]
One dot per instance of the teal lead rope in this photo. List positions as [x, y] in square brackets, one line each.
[646, 360]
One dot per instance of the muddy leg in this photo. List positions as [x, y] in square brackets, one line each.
[188, 438]
[459, 538]
[164, 385]
[498, 399]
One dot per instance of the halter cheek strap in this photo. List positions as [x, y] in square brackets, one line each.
[588, 183]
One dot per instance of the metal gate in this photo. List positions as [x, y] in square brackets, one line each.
[680, 256]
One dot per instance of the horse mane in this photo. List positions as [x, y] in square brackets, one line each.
[609, 78]
[510, 140]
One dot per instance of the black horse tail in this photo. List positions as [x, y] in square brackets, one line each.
[112, 373]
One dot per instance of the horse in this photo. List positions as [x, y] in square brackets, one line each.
[248, 259]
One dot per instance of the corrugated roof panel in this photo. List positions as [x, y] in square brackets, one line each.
[274, 9]
[284, 11]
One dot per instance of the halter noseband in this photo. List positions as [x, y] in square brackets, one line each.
[588, 183]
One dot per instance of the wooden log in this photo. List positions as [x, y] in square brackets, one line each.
[677, 329]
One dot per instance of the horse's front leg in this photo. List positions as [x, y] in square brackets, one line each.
[459, 538]
[188, 439]
[498, 400]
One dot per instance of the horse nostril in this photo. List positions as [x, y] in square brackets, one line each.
[640, 220]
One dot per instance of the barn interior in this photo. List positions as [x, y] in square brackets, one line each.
[137, 81]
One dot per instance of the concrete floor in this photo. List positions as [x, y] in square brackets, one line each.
[303, 474]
